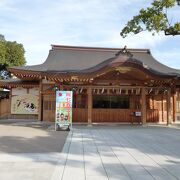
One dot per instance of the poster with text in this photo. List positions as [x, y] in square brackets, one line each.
[63, 109]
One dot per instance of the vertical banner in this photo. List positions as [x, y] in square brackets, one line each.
[63, 114]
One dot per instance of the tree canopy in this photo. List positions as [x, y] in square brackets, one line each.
[11, 54]
[153, 19]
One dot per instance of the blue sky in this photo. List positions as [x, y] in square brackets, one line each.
[39, 23]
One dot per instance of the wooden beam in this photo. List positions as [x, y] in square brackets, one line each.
[121, 81]
[143, 106]
[89, 93]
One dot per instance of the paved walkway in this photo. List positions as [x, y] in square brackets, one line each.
[102, 153]
[122, 152]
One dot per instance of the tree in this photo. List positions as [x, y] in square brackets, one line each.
[11, 54]
[153, 19]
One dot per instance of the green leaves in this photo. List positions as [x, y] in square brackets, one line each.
[2, 52]
[153, 19]
[14, 54]
[177, 26]
[173, 30]
[11, 54]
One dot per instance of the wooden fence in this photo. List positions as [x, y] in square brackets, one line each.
[5, 108]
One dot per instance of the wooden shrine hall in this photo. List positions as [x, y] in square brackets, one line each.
[110, 85]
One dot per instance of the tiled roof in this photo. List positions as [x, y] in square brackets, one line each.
[81, 59]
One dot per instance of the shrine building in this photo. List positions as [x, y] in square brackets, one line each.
[110, 85]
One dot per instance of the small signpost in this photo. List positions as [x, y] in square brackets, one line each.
[63, 116]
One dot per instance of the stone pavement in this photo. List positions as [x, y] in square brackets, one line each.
[28, 150]
[122, 152]
[27, 166]
[103, 153]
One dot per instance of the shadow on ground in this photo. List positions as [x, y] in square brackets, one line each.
[29, 138]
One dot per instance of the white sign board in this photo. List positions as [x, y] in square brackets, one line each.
[137, 113]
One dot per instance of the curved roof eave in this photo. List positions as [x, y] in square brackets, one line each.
[133, 61]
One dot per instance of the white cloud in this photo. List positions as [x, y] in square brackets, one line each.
[6, 5]
[3, 3]
[142, 40]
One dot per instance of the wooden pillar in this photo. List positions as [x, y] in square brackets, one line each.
[89, 92]
[168, 104]
[174, 106]
[10, 98]
[40, 113]
[162, 106]
[153, 102]
[143, 106]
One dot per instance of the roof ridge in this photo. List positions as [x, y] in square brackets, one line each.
[84, 48]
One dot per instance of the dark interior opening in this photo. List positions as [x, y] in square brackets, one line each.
[114, 102]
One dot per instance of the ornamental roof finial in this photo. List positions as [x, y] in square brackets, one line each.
[124, 51]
